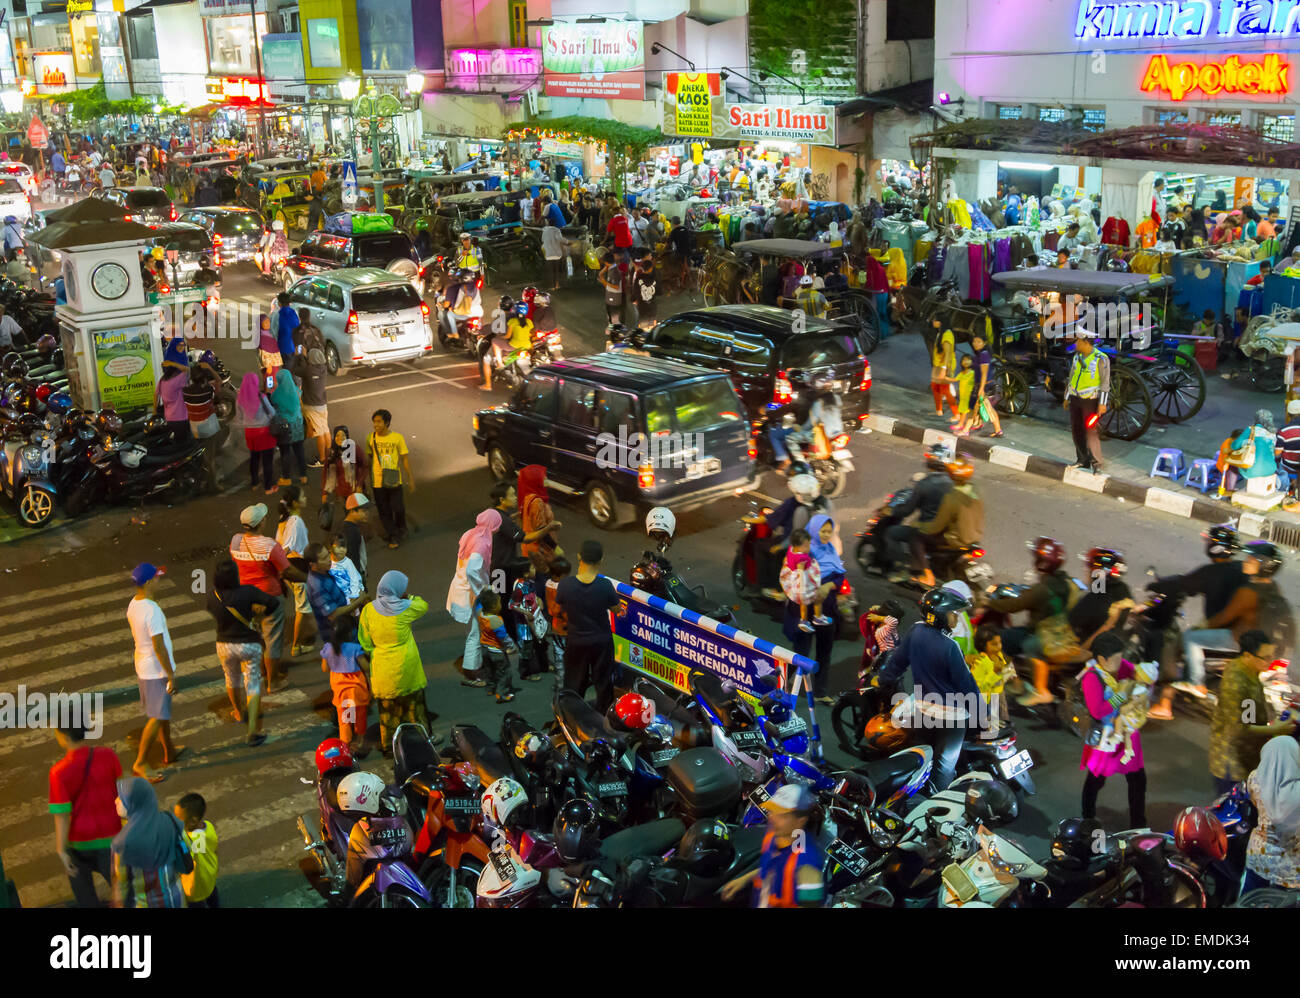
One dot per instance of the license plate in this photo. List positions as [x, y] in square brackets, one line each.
[460, 805]
[700, 469]
[848, 857]
[390, 332]
[795, 726]
[663, 757]
[618, 789]
[504, 867]
[1017, 764]
[747, 739]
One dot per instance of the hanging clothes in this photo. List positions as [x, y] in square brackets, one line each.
[1115, 232]
[959, 212]
[876, 279]
[956, 268]
[935, 263]
[1002, 256]
[979, 275]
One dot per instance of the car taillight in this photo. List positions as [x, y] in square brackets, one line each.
[216, 240]
[865, 384]
[645, 476]
[353, 324]
[424, 309]
[753, 449]
[841, 441]
[782, 391]
[479, 282]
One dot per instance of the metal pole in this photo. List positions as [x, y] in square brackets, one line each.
[260, 144]
[375, 168]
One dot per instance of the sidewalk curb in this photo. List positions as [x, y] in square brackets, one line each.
[1185, 504]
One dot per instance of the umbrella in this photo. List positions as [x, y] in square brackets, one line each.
[71, 235]
[87, 210]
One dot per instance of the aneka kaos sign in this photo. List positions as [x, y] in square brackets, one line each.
[694, 106]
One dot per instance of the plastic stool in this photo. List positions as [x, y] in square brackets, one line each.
[1168, 463]
[1204, 472]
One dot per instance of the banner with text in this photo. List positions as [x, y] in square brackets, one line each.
[687, 113]
[605, 59]
[668, 642]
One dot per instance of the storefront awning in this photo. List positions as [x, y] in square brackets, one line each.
[914, 97]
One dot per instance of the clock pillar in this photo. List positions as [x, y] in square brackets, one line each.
[112, 336]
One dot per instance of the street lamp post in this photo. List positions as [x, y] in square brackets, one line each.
[373, 109]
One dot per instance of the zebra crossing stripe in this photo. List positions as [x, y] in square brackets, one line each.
[119, 643]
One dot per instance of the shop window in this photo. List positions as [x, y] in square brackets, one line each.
[1223, 119]
[1094, 119]
[1051, 114]
[1010, 112]
[518, 24]
[1279, 127]
[1171, 117]
[907, 20]
[143, 43]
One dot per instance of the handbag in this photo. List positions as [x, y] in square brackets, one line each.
[279, 428]
[325, 516]
[1057, 637]
[389, 478]
[184, 857]
[1243, 456]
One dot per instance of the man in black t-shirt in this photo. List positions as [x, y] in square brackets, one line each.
[644, 286]
[238, 610]
[586, 598]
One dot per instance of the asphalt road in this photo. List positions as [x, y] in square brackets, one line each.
[63, 599]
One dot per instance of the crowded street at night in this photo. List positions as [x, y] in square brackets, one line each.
[535, 464]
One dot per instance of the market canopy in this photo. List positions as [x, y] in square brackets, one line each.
[782, 247]
[1093, 283]
[90, 209]
[73, 235]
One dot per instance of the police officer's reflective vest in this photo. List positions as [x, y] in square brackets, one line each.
[812, 302]
[1085, 375]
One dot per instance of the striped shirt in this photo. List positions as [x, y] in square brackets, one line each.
[1288, 438]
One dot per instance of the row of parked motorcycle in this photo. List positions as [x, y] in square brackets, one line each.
[54, 454]
[659, 803]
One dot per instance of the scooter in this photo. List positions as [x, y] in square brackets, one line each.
[828, 458]
[26, 463]
[654, 573]
[598, 757]
[960, 564]
[127, 472]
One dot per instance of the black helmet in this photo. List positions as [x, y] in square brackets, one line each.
[575, 830]
[1106, 560]
[23, 400]
[154, 424]
[616, 331]
[938, 603]
[1221, 541]
[505, 303]
[108, 422]
[1267, 554]
[16, 367]
[706, 849]
[466, 275]
[937, 457]
[911, 872]
[992, 802]
[1076, 841]
[46, 345]
[798, 468]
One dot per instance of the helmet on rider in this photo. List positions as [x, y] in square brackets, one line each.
[806, 281]
[1221, 541]
[576, 830]
[992, 802]
[359, 793]
[528, 293]
[937, 457]
[1198, 829]
[660, 520]
[634, 711]
[959, 469]
[466, 275]
[332, 753]
[506, 304]
[208, 359]
[938, 604]
[1106, 560]
[1266, 554]
[503, 801]
[1074, 843]
[805, 487]
[1048, 554]
[521, 309]
[706, 849]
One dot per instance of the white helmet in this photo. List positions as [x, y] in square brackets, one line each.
[960, 588]
[805, 487]
[502, 799]
[278, 225]
[360, 792]
[806, 281]
[131, 456]
[662, 520]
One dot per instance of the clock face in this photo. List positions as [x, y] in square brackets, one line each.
[110, 281]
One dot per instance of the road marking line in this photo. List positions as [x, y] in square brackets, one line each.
[46, 616]
[95, 582]
[93, 643]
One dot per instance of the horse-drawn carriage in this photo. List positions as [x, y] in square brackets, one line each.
[750, 271]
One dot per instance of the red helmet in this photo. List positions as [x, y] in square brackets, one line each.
[1049, 554]
[332, 753]
[1198, 829]
[634, 711]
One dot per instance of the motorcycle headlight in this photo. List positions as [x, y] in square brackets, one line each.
[32, 456]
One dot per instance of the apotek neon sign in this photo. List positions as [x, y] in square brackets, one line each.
[1187, 19]
[1233, 75]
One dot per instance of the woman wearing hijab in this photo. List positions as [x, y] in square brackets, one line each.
[397, 677]
[537, 519]
[148, 851]
[1273, 853]
[170, 393]
[288, 403]
[825, 550]
[345, 467]
[1264, 435]
[255, 412]
[473, 560]
[268, 347]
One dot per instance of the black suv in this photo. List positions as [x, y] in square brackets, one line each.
[757, 345]
[622, 430]
[236, 232]
[326, 250]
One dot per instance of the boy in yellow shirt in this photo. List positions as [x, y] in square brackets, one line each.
[200, 886]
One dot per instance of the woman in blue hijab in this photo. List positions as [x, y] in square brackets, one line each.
[288, 403]
[825, 550]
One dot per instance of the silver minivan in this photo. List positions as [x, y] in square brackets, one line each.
[369, 316]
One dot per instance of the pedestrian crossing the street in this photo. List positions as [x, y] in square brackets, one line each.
[74, 639]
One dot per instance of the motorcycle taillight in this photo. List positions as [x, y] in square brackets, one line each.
[976, 553]
[845, 588]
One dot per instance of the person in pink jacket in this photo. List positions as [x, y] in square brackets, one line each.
[1103, 759]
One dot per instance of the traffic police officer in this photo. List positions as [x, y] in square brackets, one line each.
[1087, 393]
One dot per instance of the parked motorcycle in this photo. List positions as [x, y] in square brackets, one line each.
[26, 460]
[129, 472]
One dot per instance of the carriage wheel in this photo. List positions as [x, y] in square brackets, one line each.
[1012, 389]
[1177, 388]
[1268, 375]
[863, 309]
[1129, 413]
